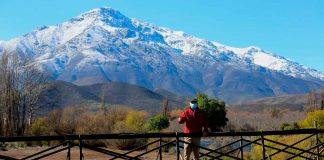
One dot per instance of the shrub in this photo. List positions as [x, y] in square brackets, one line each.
[158, 123]
[40, 127]
[135, 121]
[3, 146]
[286, 126]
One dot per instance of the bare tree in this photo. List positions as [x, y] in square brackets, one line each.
[322, 99]
[103, 101]
[276, 113]
[311, 100]
[20, 89]
[165, 107]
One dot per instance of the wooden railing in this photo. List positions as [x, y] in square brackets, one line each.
[231, 150]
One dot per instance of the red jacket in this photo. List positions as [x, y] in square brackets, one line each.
[195, 120]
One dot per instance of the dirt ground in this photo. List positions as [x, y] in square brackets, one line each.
[75, 154]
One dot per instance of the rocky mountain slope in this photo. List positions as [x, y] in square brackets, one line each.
[104, 45]
[60, 94]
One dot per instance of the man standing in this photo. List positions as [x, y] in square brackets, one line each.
[195, 122]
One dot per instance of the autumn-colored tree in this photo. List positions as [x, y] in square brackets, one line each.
[40, 127]
[315, 116]
[54, 119]
[136, 120]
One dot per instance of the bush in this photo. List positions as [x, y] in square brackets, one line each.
[134, 122]
[40, 127]
[3, 146]
[158, 123]
[286, 126]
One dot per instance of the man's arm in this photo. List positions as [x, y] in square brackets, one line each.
[182, 117]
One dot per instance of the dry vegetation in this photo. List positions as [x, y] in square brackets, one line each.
[73, 120]
[266, 120]
[119, 119]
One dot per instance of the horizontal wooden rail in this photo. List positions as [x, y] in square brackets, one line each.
[229, 150]
[154, 135]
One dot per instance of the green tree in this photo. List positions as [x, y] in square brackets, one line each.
[158, 122]
[202, 100]
[215, 109]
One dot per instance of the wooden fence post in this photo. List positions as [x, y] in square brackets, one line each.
[160, 149]
[178, 147]
[80, 147]
[317, 142]
[241, 149]
[263, 147]
[69, 151]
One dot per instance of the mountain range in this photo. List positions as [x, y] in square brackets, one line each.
[122, 94]
[55, 93]
[292, 102]
[103, 45]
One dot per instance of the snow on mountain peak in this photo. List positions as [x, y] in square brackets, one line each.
[271, 61]
[107, 15]
[102, 24]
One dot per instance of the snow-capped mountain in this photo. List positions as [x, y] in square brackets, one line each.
[104, 45]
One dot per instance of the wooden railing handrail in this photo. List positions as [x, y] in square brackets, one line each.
[155, 135]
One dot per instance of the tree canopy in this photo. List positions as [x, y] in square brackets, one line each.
[215, 109]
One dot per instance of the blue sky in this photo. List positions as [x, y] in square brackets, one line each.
[290, 28]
